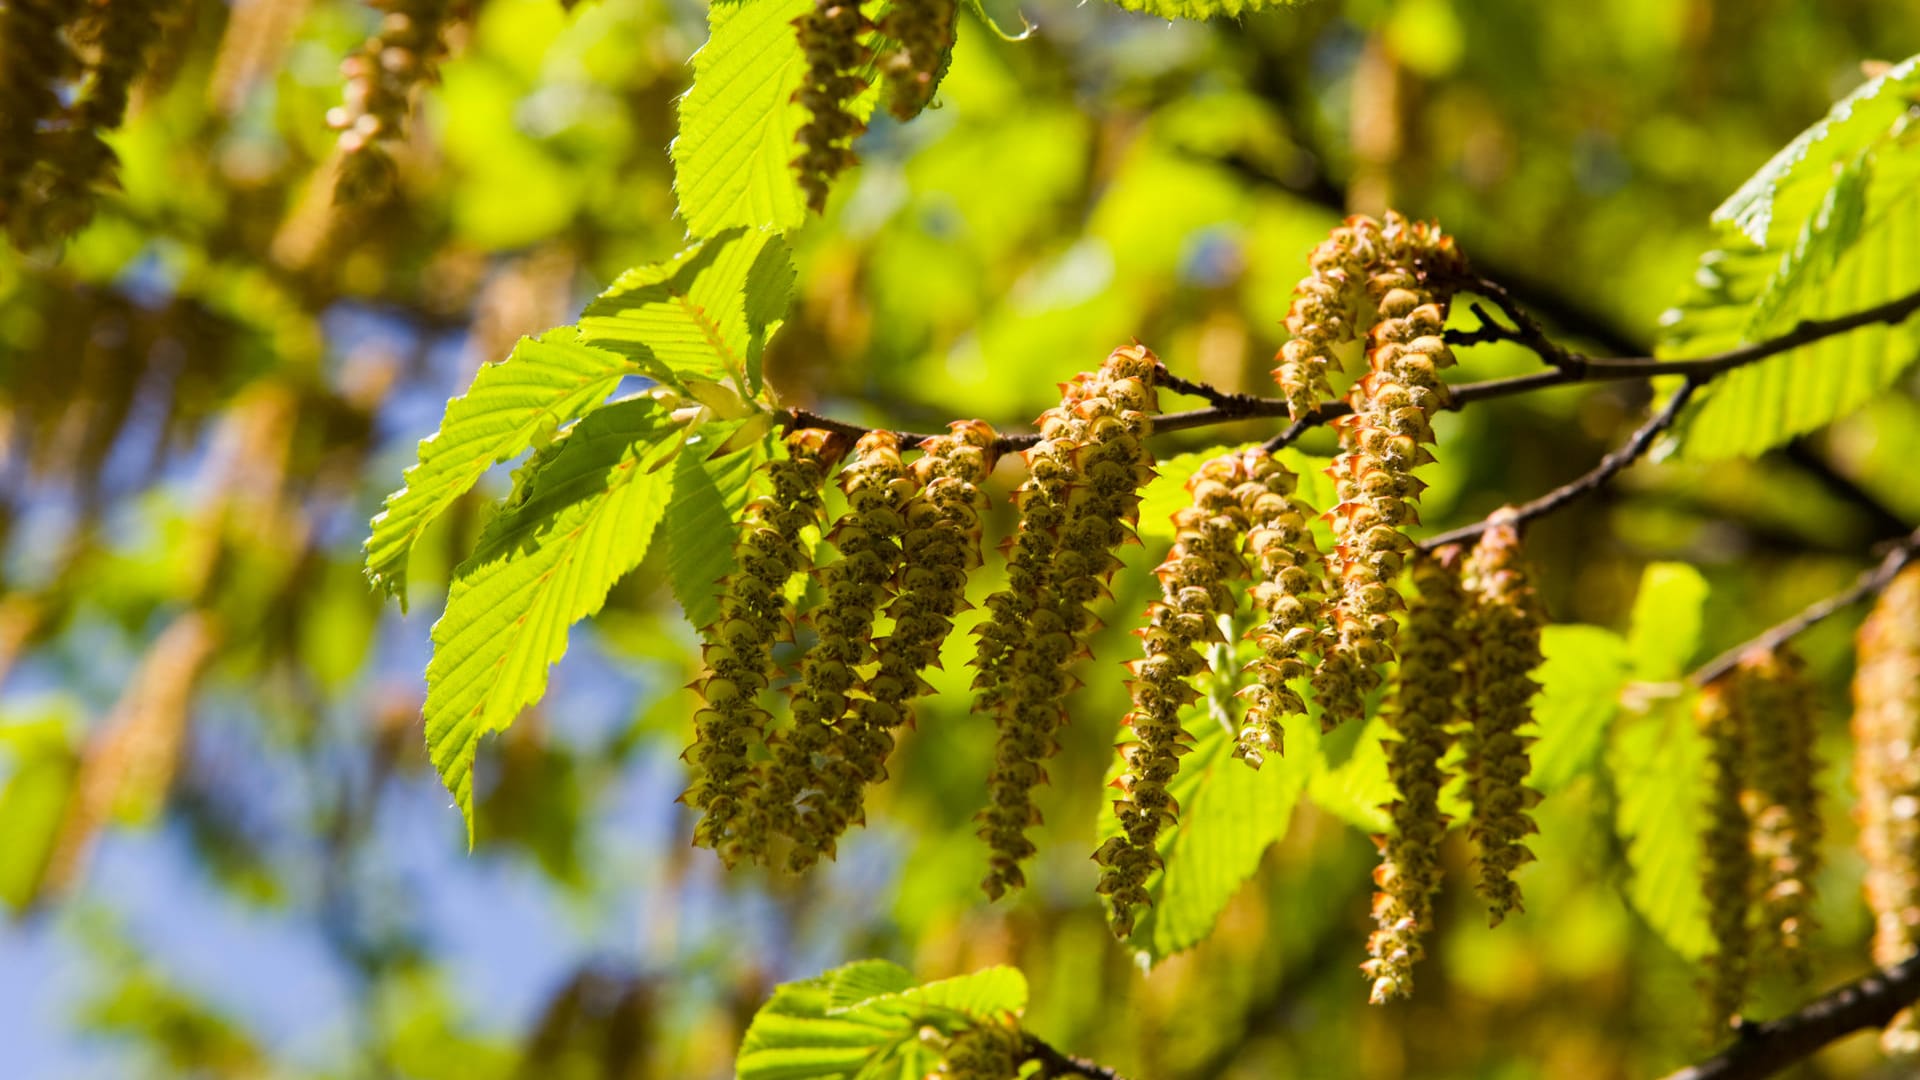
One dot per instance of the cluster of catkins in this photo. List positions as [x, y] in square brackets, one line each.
[842, 46]
[908, 536]
[984, 1051]
[1761, 841]
[1886, 772]
[382, 79]
[67, 70]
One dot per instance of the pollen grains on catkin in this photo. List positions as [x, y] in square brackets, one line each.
[818, 768]
[1502, 627]
[939, 543]
[831, 40]
[382, 78]
[1195, 591]
[1726, 847]
[1288, 578]
[1410, 277]
[1426, 699]
[1080, 499]
[738, 648]
[924, 34]
[1783, 801]
[1886, 772]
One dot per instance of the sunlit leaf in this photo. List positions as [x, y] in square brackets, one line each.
[708, 494]
[1665, 629]
[518, 403]
[1579, 693]
[541, 566]
[864, 1020]
[1658, 763]
[39, 763]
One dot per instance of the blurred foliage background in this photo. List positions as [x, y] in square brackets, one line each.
[222, 849]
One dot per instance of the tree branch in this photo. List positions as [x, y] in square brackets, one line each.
[1761, 1050]
[1054, 1063]
[1868, 584]
[1609, 466]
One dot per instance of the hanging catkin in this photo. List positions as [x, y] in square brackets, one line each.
[1886, 772]
[1726, 848]
[1288, 579]
[383, 78]
[830, 39]
[1782, 801]
[924, 30]
[1503, 631]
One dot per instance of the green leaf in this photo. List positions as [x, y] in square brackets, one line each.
[852, 984]
[733, 157]
[1769, 206]
[1664, 631]
[1579, 693]
[864, 1020]
[1658, 763]
[702, 316]
[989, 994]
[1825, 229]
[512, 405]
[1359, 788]
[1229, 815]
[40, 775]
[708, 495]
[542, 565]
[1203, 9]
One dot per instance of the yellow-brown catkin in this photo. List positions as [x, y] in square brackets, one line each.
[1325, 313]
[1726, 848]
[985, 1051]
[1411, 268]
[830, 39]
[382, 79]
[738, 651]
[812, 780]
[1783, 801]
[1081, 496]
[1502, 628]
[1194, 594]
[1886, 772]
[940, 543]
[924, 31]
[112, 39]
[1288, 578]
[1425, 702]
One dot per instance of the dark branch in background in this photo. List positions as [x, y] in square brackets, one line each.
[1886, 523]
[1869, 584]
[1637, 445]
[1055, 1064]
[1761, 1050]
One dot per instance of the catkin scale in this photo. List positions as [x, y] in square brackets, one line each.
[1886, 773]
[738, 654]
[1503, 631]
[1194, 593]
[1077, 504]
[1423, 707]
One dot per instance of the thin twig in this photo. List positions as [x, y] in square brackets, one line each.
[1577, 369]
[1870, 583]
[1631, 451]
[1054, 1063]
[1761, 1050]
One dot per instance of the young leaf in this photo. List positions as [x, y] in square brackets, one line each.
[1202, 9]
[1579, 693]
[542, 565]
[1658, 763]
[864, 1020]
[547, 382]
[1359, 788]
[708, 494]
[1229, 815]
[1665, 627]
[700, 317]
[733, 157]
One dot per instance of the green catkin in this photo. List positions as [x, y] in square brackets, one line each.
[1424, 704]
[1502, 627]
[382, 79]
[924, 30]
[830, 39]
[1783, 802]
[1288, 575]
[1077, 505]
[819, 765]
[738, 648]
[1726, 848]
[985, 1051]
[1194, 594]
[1410, 270]
[1886, 772]
[939, 544]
